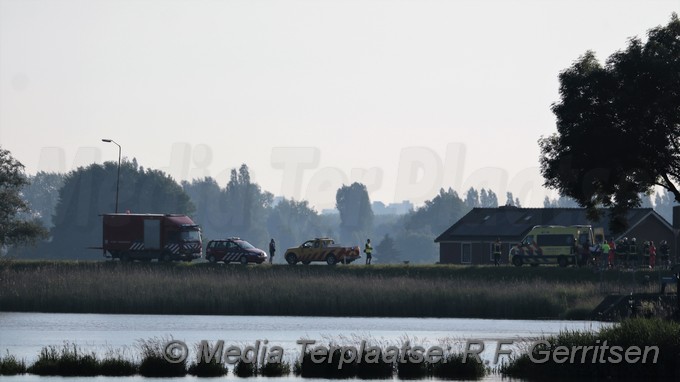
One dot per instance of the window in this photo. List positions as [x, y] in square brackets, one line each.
[555, 240]
[466, 253]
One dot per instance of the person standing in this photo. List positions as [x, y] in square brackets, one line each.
[604, 255]
[497, 252]
[612, 253]
[652, 255]
[272, 250]
[368, 250]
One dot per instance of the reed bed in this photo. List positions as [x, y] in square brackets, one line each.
[71, 361]
[381, 291]
[639, 332]
[10, 365]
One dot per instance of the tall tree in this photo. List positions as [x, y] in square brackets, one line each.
[90, 191]
[42, 195]
[246, 207]
[291, 222]
[356, 215]
[663, 205]
[386, 251]
[512, 201]
[560, 202]
[13, 229]
[210, 212]
[488, 199]
[437, 214]
[618, 126]
[472, 198]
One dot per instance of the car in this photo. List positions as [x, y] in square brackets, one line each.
[322, 249]
[234, 249]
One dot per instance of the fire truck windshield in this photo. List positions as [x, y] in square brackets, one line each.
[190, 235]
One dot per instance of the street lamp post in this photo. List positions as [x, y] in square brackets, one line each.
[117, 177]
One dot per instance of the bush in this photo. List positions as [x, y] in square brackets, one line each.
[208, 369]
[270, 369]
[245, 369]
[9, 365]
[454, 366]
[67, 362]
[154, 363]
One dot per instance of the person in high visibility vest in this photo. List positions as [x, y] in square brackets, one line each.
[497, 252]
[604, 255]
[368, 250]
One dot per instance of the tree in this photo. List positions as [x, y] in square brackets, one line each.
[387, 251]
[246, 207]
[437, 214]
[472, 198]
[90, 191]
[13, 229]
[42, 195]
[512, 201]
[488, 199]
[356, 215]
[560, 202]
[618, 126]
[663, 205]
[291, 222]
[210, 213]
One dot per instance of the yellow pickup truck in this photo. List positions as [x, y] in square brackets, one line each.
[322, 249]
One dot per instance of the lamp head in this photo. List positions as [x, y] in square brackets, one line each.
[106, 140]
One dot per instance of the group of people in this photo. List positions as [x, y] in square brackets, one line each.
[608, 253]
[368, 250]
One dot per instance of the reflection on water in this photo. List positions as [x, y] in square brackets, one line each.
[24, 334]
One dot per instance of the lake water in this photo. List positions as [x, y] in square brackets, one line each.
[24, 334]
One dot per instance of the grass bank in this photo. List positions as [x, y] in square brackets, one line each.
[389, 291]
[633, 349]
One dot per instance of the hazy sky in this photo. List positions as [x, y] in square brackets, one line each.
[404, 96]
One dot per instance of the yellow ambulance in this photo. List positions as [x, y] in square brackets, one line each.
[552, 245]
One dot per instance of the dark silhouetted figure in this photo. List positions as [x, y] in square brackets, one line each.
[272, 250]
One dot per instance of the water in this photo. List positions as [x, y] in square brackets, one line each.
[24, 334]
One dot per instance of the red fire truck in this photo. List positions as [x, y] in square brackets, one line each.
[151, 236]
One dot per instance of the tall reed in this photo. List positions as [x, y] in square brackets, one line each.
[601, 361]
[397, 291]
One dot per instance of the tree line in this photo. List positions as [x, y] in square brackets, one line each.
[62, 211]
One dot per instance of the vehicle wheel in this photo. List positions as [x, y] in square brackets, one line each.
[125, 257]
[562, 262]
[306, 262]
[331, 260]
[291, 258]
[517, 261]
[243, 260]
[211, 259]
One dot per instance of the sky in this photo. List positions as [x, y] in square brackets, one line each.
[406, 97]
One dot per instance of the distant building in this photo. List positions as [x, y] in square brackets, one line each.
[330, 211]
[469, 240]
[379, 208]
